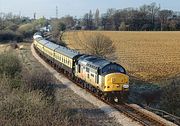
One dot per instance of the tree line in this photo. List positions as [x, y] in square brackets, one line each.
[145, 18]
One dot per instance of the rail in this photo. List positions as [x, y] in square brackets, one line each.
[164, 114]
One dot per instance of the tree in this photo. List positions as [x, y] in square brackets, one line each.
[68, 21]
[42, 22]
[58, 28]
[100, 45]
[27, 30]
[104, 21]
[97, 18]
[110, 12]
[172, 25]
[163, 16]
[85, 21]
[153, 10]
[90, 20]
[116, 20]
[122, 26]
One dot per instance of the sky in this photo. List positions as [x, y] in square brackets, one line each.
[47, 8]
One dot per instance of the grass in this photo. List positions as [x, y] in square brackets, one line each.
[150, 56]
[27, 96]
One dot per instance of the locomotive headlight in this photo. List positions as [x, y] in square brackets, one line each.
[125, 86]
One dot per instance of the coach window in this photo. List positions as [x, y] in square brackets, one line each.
[87, 69]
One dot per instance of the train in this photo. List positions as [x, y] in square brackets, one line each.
[107, 79]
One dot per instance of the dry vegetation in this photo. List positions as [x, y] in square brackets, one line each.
[151, 56]
[29, 95]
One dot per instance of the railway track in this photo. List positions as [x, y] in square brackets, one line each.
[138, 116]
[124, 108]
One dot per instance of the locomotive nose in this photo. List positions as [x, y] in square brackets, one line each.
[117, 82]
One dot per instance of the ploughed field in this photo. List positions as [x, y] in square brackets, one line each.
[151, 56]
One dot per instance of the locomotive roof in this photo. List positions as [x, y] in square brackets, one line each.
[61, 49]
[93, 61]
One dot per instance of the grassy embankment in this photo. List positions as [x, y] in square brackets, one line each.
[27, 95]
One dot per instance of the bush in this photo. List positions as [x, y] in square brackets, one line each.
[22, 107]
[27, 30]
[41, 81]
[10, 65]
[30, 109]
[170, 98]
[10, 36]
[145, 94]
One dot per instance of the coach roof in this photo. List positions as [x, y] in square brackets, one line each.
[61, 49]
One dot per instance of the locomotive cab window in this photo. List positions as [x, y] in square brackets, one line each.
[113, 68]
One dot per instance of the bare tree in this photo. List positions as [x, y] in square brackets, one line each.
[164, 15]
[58, 28]
[85, 22]
[100, 45]
[153, 10]
[68, 21]
[104, 21]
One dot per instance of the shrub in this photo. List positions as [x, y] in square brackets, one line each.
[41, 81]
[170, 98]
[10, 65]
[145, 94]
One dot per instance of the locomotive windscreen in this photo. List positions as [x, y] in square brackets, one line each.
[111, 68]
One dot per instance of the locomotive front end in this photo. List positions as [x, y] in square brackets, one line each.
[116, 86]
[116, 82]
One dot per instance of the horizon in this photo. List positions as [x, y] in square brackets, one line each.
[77, 9]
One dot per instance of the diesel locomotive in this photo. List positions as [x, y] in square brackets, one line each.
[103, 77]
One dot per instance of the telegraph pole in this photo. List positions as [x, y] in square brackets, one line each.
[35, 16]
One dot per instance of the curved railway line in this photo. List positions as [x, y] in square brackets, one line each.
[131, 112]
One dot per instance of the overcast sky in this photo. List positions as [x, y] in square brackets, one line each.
[77, 8]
